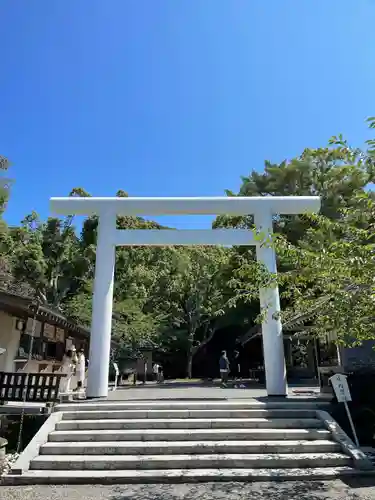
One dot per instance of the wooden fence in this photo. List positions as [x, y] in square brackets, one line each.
[29, 387]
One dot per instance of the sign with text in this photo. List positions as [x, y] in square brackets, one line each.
[33, 327]
[341, 388]
[49, 331]
[60, 335]
[69, 343]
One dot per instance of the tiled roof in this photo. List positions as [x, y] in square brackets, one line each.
[24, 306]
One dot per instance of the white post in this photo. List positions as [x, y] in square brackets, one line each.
[101, 324]
[273, 345]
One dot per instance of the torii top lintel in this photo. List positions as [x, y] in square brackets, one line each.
[236, 205]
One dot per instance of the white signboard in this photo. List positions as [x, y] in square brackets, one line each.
[49, 331]
[341, 388]
[30, 330]
[60, 335]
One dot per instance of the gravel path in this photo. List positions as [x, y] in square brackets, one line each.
[332, 490]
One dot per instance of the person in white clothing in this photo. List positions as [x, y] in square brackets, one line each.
[155, 370]
[81, 369]
[68, 366]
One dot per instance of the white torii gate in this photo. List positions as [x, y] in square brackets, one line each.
[263, 209]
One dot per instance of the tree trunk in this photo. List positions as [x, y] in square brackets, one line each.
[190, 355]
[204, 342]
[189, 367]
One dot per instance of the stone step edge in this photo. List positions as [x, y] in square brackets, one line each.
[75, 433]
[190, 444]
[187, 457]
[190, 405]
[180, 420]
[189, 447]
[187, 411]
[35, 477]
[225, 430]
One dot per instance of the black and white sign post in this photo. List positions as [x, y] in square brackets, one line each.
[341, 388]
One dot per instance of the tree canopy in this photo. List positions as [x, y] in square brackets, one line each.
[325, 261]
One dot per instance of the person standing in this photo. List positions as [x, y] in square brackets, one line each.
[236, 370]
[155, 370]
[68, 365]
[81, 369]
[224, 368]
[144, 371]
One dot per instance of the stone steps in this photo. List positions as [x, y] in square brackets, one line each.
[186, 414]
[188, 447]
[183, 441]
[184, 423]
[210, 461]
[245, 404]
[171, 435]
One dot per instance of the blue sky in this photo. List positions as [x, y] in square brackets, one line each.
[175, 97]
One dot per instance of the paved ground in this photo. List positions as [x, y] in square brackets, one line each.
[194, 391]
[173, 390]
[333, 490]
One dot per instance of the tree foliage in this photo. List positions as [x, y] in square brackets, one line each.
[332, 272]
[190, 293]
[326, 261]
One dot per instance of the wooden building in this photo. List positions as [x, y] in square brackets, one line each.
[35, 338]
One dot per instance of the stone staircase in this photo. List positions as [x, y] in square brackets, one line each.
[182, 441]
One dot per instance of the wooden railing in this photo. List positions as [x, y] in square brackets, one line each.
[29, 387]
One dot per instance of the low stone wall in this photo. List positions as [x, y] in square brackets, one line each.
[10, 426]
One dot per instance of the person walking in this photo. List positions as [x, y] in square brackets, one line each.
[155, 370]
[224, 368]
[236, 370]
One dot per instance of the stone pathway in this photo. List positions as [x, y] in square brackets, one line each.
[316, 490]
[152, 391]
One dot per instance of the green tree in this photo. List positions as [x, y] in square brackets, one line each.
[4, 184]
[336, 173]
[325, 261]
[189, 292]
[48, 257]
[332, 272]
[132, 327]
[6, 244]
